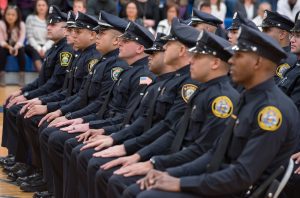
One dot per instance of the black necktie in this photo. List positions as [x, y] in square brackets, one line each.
[222, 145]
[184, 124]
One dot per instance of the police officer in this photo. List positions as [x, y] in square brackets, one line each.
[169, 106]
[278, 27]
[105, 71]
[204, 119]
[237, 20]
[289, 84]
[84, 40]
[204, 21]
[263, 128]
[50, 78]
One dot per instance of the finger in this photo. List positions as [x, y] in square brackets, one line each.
[42, 120]
[100, 147]
[98, 154]
[111, 164]
[297, 171]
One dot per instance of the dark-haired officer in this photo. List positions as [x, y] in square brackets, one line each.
[237, 20]
[204, 21]
[84, 41]
[203, 122]
[279, 28]
[51, 78]
[263, 127]
[233, 30]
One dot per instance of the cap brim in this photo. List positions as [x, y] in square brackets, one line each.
[168, 38]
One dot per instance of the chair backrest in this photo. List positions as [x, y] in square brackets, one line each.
[285, 178]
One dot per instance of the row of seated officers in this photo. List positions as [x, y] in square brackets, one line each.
[116, 112]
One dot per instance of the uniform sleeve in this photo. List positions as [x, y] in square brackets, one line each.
[56, 96]
[89, 109]
[159, 146]
[243, 172]
[54, 83]
[196, 167]
[135, 144]
[134, 130]
[295, 94]
[162, 162]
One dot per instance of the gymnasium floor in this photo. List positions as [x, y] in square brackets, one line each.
[7, 190]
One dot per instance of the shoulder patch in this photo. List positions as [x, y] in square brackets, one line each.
[91, 64]
[115, 73]
[187, 91]
[269, 118]
[281, 69]
[222, 107]
[65, 58]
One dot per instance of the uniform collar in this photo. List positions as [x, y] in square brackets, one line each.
[89, 47]
[60, 42]
[221, 79]
[112, 53]
[165, 76]
[184, 70]
[142, 61]
[287, 48]
[251, 94]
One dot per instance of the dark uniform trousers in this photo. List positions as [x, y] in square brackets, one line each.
[50, 79]
[54, 144]
[87, 167]
[81, 70]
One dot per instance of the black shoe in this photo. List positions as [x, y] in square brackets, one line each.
[10, 161]
[25, 171]
[34, 186]
[37, 175]
[44, 194]
[14, 168]
[2, 159]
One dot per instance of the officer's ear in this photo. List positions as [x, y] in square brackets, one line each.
[216, 63]
[258, 62]
[140, 49]
[183, 50]
[93, 35]
[283, 35]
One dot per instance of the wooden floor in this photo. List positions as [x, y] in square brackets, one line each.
[8, 189]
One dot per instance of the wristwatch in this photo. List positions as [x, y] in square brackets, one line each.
[25, 94]
[152, 161]
[68, 116]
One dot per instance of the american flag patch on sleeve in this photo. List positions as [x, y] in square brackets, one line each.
[144, 80]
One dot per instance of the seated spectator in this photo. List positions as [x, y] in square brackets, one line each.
[36, 28]
[149, 11]
[288, 8]
[260, 13]
[218, 9]
[79, 5]
[12, 36]
[94, 7]
[164, 26]
[248, 8]
[132, 13]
